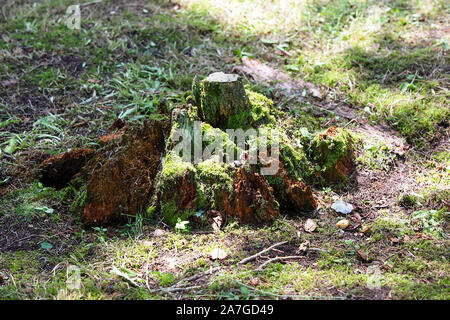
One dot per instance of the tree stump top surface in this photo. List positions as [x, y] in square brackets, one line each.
[222, 77]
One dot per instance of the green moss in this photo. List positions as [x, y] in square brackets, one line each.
[293, 157]
[407, 200]
[174, 167]
[326, 150]
[374, 155]
[31, 201]
[213, 171]
[212, 179]
[227, 143]
[151, 210]
[239, 120]
[262, 108]
[171, 214]
[390, 227]
[79, 202]
[220, 106]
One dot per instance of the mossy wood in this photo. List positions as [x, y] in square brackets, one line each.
[144, 173]
[222, 101]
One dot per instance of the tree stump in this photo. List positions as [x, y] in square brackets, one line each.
[222, 101]
[156, 168]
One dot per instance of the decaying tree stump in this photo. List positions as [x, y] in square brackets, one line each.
[140, 171]
[222, 101]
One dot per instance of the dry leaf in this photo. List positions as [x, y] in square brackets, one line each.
[254, 282]
[394, 240]
[363, 255]
[10, 82]
[356, 219]
[91, 80]
[342, 224]
[365, 229]
[158, 232]
[304, 246]
[216, 219]
[309, 225]
[218, 254]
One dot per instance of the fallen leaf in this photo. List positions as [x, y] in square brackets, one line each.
[254, 282]
[10, 82]
[365, 229]
[342, 224]
[363, 255]
[158, 232]
[91, 80]
[304, 246]
[394, 240]
[216, 220]
[309, 225]
[356, 219]
[218, 254]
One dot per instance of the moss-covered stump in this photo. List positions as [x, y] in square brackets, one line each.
[293, 194]
[253, 199]
[190, 165]
[124, 183]
[184, 189]
[331, 150]
[222, 101]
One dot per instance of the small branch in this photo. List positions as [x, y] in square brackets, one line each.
[253, 257]
[175, 289]
[286, 296]
[198, 276]
[277, 259]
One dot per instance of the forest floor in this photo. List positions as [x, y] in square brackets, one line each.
[383, 70]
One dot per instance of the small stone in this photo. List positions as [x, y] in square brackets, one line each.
[343, 224]
[342, 207]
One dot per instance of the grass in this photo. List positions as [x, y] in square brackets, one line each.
[386, 60]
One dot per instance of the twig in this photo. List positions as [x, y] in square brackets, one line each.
[20, 240]
[177, 286]
[174, 289]
[392, 255]
[277, 259]
[253, 257]
[285, 296]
